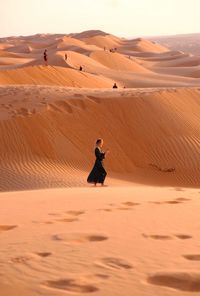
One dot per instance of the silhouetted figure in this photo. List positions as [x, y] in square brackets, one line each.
[45, 57]
[98, 173]
[115, 85]
[81, 68]
[65, 57]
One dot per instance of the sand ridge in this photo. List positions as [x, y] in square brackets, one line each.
[49, 133]
[130, 63]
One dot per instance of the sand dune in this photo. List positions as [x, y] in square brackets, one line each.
[69, 43]
[117, 61]
[39, 75]
[47, 120]
[184, 42]
[75, 60]
[185, 61]
[180, 71]
[13, 61]
[142, 45]
[138, 56]
[103, 41]
[134, 236]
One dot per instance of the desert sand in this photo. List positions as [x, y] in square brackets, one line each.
[184, 42]
[139, 235]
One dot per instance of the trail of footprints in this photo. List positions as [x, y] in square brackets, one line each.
[69, 216]
[124, 206]
[179, 280]
[90, 283]
[183, 281]
[178, 200]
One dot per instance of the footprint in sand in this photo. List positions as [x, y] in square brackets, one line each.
[155, 202]
[72, 285]
[79, 238]
[183, 236]
[173, 202]
[157, 236]
[178, 200]
[7, 227]
[54, 214]
[71, 217]
[75, 213]
[25, 258]
[114, 263]
[43, 254]
[183, 199]
[192, 257]
[124, 208]
[20, 259]
[130, 203]
[183, 281]
[67, 220]
[166, 237]
[105, 210]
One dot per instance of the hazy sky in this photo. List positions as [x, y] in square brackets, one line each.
[120, 17]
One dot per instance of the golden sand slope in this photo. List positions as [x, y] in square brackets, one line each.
[134, 63]
[117, 61]
[48, 75]
[47, 135]
[142, 45]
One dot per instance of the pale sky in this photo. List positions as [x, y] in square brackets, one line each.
[124, 18]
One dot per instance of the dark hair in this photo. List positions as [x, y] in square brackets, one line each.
[98, 141]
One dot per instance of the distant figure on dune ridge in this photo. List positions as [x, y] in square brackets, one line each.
[80, 68]
[98, 173]
[65, 57]
[45, 57]
[115, 85]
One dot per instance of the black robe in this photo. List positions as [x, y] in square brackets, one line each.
[98, 173]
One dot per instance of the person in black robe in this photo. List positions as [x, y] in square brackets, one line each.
[98, 173]
[45, 57]
[115, 85]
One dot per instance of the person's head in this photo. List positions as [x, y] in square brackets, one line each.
[99, 142]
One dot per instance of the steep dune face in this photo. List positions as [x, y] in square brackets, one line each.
[117, 61]
[89, 34]
[47, 135]
[41, 75]
[184, 61]
[104, 41]
[75, 60]
[142, 45]
[69, 43]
